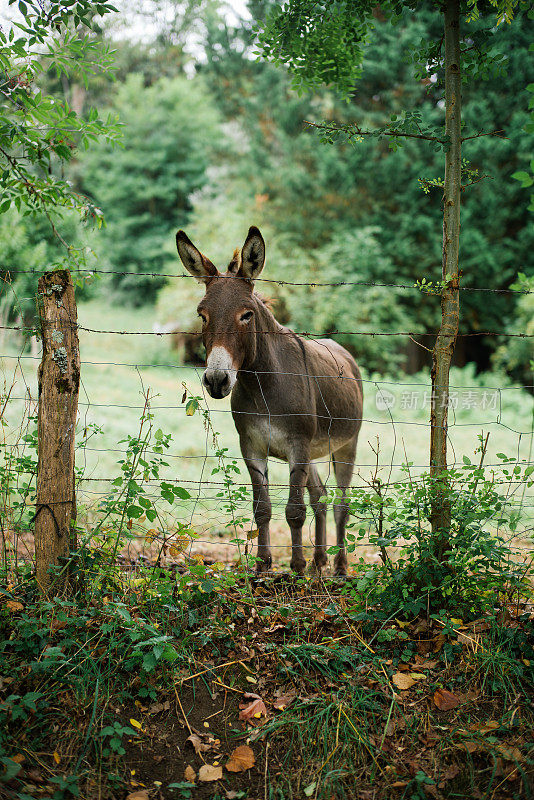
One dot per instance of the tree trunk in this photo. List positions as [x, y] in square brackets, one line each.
[450, 302]
[59, 378]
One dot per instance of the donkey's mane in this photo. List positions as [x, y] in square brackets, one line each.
[268, 302]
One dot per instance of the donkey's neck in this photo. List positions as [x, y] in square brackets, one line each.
[268, 339]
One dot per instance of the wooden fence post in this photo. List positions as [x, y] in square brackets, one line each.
[59, 379]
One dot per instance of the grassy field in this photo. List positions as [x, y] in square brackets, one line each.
[119, 370]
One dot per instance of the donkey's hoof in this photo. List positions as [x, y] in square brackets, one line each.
[263, 565]
[315, 567]
[299, 567]
[340, 568]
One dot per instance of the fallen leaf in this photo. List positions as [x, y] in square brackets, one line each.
[14, 605]
[190, 774]
[402, 681]
[427, 664]
[207, 773]
[417, 676]
[135, 724]
[198, 744]
[451, 772]
[155, 708]
[485, 727]
[241, 759]
[309, 790]
[445, 700]
[283, 701]
[254, 709]
[141, 795]
[471, 747]
[509, 753]
[399, 784]
[57, 757]
[251, 679]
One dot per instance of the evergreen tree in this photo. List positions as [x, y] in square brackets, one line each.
[144, 187]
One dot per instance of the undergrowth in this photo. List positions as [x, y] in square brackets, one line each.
[411, 679]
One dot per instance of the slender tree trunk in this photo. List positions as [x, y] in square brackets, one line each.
[450, 302]
[59, 378]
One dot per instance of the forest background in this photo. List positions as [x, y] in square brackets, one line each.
[214, 140]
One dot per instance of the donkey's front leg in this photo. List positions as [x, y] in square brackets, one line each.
[257, 467]
[296, 509]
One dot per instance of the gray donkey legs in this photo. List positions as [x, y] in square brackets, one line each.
[299, 466]
[317, 490]
[343, 467]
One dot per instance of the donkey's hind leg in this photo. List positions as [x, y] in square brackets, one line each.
[343, 467]
[317, 490]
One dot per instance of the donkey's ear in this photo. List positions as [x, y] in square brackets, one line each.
[195, 263]
[252, 254]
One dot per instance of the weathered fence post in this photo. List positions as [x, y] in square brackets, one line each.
[59, 378]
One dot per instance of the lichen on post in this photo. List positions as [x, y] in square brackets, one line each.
[59, 379]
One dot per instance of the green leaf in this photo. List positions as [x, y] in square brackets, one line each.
[524, 178]
[191, 407]
[134, 512]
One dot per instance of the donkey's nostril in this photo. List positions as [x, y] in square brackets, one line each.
[217, 382]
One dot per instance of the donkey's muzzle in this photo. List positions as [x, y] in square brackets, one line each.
[218, 382]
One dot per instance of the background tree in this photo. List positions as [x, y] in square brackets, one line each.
[295, 35]
[145, 187]
[40, 134]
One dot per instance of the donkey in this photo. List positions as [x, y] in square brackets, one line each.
[292, 399]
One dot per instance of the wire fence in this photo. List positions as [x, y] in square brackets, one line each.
[213, 515]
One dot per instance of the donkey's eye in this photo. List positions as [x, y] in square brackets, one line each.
[246, 316]
[202, 317]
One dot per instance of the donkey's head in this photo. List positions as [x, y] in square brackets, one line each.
[228, 309]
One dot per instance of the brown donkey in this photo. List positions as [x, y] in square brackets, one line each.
[292, 399]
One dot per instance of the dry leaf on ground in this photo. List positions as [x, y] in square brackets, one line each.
[471, 747]
[253, 710]
[13, 605]
[450, 773]
[445, 700]
[283, 701]
[402, 681]
[155, 708]
[485, 727]
[190, 774]
[198, 744]
[141, 795]
[241, 759]
[207, 773]
[509, 753]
